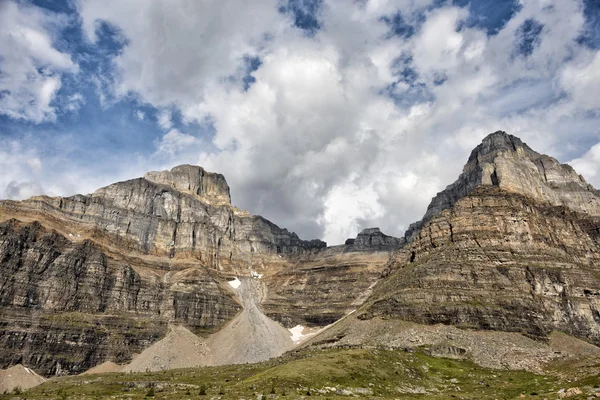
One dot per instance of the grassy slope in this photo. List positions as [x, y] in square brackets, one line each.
[367, 373]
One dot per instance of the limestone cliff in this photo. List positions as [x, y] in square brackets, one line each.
[512, 245]
[504, 161]
[67, 305]
[102, 275]
[321, 287]
[185, 212]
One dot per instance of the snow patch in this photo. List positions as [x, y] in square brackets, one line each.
[297, 333]
[235, 283]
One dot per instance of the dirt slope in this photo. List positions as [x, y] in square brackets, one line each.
[251, 336]
[18, 376]
[179, 349]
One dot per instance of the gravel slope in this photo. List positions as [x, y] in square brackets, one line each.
[18, 376]
[179, 349]
[251, 336]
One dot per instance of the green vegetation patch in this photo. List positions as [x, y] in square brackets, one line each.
[332, 374]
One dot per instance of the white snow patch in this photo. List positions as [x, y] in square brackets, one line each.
[297, 333]
[256, 275]
[235, 283]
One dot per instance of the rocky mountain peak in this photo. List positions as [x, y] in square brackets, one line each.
[494, 144]
[507, 162]
[194, 180]
[373, 238]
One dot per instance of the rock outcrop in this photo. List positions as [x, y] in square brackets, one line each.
[67, 306]
[96, 278]
[512, 245]
[504, 161]
[373, 239]
[185, 212]
[319, 288]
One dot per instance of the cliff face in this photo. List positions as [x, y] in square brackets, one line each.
[65, 305]
[319, 288]
[512, 245]
[101, 275]
[185, 212]
[504, 161]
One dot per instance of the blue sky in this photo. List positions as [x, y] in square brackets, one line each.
[325, 116]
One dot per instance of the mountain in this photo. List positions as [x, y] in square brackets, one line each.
[504, 161]
[504, 260]
[93, 278]
[513, 245]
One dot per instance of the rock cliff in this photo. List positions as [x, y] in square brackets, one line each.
[319, 288]
[185, 212]
[512, 245]
[105, 273]
[67, 305]
[504, 161]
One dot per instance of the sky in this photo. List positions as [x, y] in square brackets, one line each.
[325, 116]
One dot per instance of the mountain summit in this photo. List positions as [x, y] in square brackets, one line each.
[512, 246]
[504, 161]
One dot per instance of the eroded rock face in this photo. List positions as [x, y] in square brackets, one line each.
[185, 212]
[373, 239]
[501, 261]
[504, 161]
[194, 180]
[67, 306]
[104, 273]
[319, 288]
[512, 245]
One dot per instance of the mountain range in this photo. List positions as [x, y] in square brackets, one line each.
[505, 259]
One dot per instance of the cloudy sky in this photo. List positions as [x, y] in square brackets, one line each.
[325, 116]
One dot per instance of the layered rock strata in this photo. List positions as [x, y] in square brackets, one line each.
[319, 288]
[504, 161]
[185, 212]
[66, 306]
[87, 279]
[512, 245]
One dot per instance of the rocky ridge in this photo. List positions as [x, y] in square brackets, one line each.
[504, 161]
[107, 272]
[185, 212]
[513, 245]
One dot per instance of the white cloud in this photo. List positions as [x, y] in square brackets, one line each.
[174, 143]
[582, 80]
[30, 66]
[316, 143]
[196, 42]
[165, 119]
[589, 164]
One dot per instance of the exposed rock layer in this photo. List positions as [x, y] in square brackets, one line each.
[185, 212]
[67, 306]
[105, 273]
[502, 261]
[504, 161]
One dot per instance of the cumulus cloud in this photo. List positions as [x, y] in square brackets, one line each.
[589, 164]
[30, 66]
[349, 114]
[196, 42]
[174, 143]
